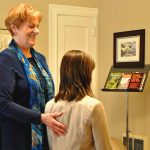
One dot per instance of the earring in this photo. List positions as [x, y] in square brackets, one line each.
[15, 33]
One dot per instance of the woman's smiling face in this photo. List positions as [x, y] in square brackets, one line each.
[25, 35]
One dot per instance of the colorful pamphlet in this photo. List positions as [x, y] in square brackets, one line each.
[135, 81]
[113, 80]
[125, 80]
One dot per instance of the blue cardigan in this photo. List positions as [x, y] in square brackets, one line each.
[15, 115]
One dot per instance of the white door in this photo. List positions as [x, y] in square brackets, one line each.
[72, 28]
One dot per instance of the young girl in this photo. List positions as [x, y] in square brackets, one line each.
[83, 114]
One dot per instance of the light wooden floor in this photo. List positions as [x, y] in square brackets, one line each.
[117, 145]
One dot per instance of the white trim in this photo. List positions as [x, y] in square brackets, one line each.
[54, 12]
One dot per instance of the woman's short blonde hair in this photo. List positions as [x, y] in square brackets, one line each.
[20, 14]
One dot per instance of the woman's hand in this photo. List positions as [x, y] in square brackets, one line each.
[49, 120]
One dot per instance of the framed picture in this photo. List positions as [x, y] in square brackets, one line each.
[129, 49]
[4, 41]
[5, 38]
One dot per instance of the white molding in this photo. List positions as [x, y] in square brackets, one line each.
[54, 12]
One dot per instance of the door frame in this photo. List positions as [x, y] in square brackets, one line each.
[54, 12]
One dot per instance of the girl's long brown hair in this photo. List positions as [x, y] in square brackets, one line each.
[75, 76]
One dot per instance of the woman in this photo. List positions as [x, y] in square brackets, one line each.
[83, 114]
[25, 86]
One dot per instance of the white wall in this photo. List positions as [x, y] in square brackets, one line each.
[117, 16]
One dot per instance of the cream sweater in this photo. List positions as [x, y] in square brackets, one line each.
[87, 126]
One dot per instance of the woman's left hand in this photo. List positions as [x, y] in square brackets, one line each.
[49, 119]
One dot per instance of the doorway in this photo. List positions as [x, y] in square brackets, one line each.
[72, 27]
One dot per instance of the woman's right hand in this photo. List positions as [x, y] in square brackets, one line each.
[49, 119]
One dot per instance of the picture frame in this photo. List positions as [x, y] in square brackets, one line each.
[129, 49]
[5, 38]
